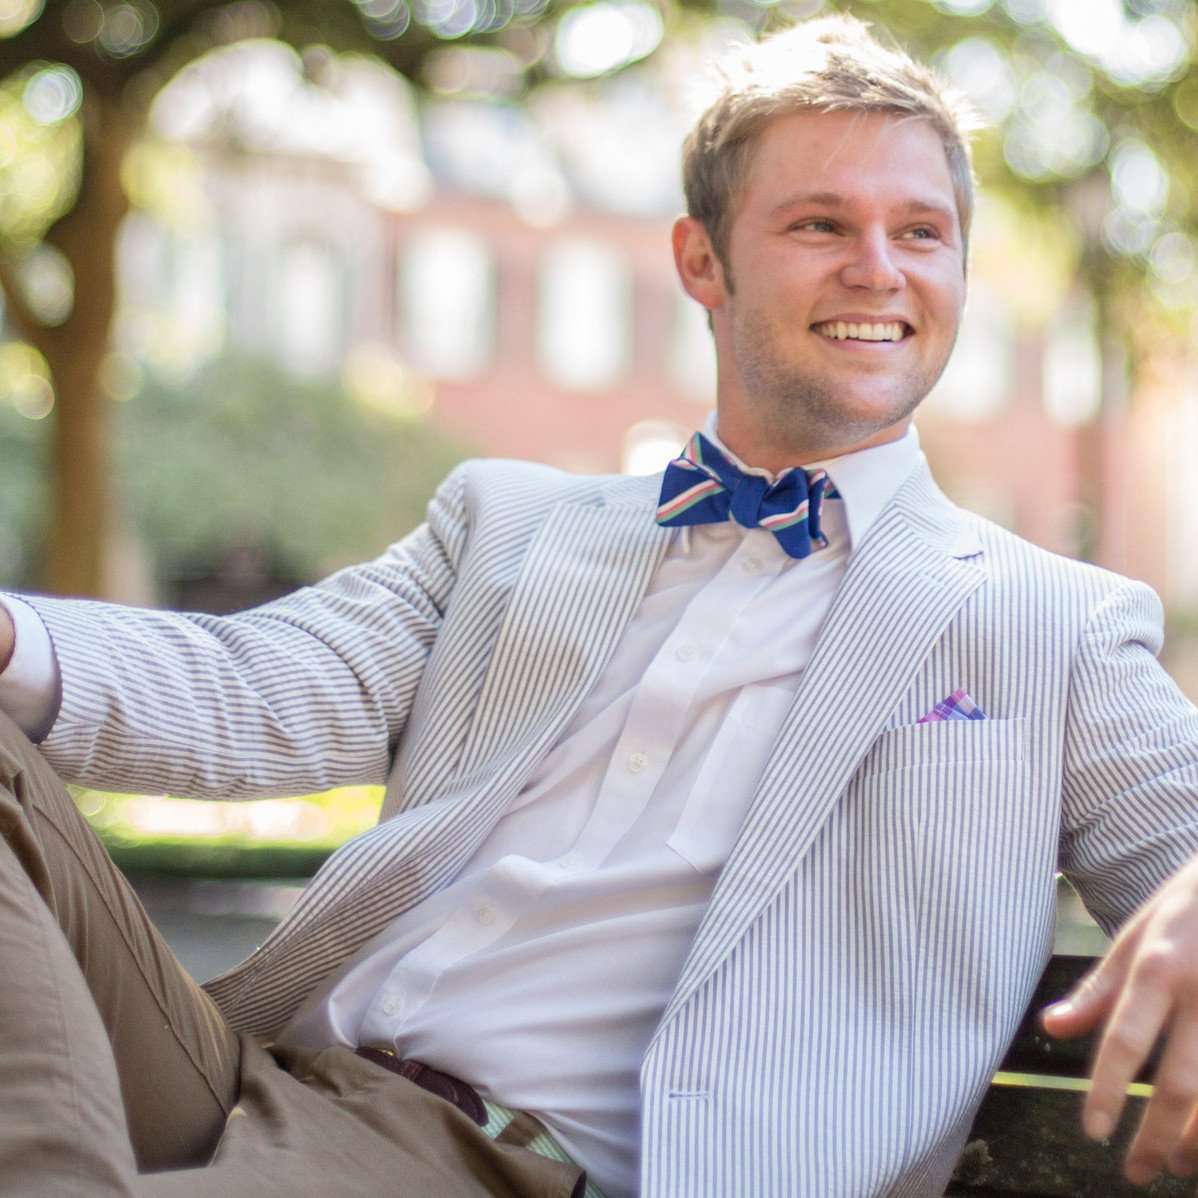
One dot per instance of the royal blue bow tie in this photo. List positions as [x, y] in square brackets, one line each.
[702, 486]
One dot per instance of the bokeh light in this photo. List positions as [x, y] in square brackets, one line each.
[128, 28]
[964, 8]
[385, 19]
[25, 380]
[53, 94]
[82, 21]
[16, 15]
[48, 283]
[1173, 258]
[1026, 12]
[593, 39]
[1139, 52]
[1185, 102]
[1138, 181]
[983, 72]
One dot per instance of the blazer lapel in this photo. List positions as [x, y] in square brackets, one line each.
[900, 591]
[581, 582]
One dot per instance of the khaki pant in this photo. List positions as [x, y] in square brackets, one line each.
[118, 1075]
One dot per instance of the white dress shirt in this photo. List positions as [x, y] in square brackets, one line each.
[541, 973]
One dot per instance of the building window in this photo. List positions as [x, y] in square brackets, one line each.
[692, 351]
[584, 315]
[1072, 366]
[447, 302]
[310, 301]
[978, 379]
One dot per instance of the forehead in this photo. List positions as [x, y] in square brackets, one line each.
[864, 158]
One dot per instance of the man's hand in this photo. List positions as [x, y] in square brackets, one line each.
[1146, 984]
[8, 637]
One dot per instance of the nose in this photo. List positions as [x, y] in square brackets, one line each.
[871, 263]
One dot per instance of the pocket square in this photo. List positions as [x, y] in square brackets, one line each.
[958, 706]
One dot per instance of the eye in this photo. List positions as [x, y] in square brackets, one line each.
[814, 226]
[922, 233]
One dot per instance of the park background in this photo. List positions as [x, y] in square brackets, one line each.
[270, 267]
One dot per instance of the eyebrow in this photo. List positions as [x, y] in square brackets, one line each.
[832, 199]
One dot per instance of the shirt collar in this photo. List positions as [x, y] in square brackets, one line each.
[866, 480]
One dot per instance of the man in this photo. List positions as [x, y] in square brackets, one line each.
[722, 821]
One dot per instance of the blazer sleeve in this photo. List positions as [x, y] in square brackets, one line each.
[1130, 792]
[307, 692]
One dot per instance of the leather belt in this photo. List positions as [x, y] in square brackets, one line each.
[465, 1097]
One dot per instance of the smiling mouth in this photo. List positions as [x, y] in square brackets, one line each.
[841, 330]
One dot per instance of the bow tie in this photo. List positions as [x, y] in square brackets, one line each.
[702, 486]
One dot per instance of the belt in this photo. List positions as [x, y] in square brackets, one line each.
[501, 1124]
[465, 1097]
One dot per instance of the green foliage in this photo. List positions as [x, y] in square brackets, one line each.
[245, 454]
[1081, 126]
[40, 150]
[280, 838]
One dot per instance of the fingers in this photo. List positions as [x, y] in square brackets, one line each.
[1137, 1018]
[1147, 984]
[1094, 997]
[1086, 1005]
[1166, 1133]
[1183, 1160]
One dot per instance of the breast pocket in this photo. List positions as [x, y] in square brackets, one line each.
[943, 745]
[719, 798]
[978, 865]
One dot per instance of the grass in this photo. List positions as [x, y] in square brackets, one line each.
[267, 838]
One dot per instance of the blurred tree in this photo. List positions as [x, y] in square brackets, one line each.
[1092, 110]
[308, 475]
[1094, 106]
[79, 79]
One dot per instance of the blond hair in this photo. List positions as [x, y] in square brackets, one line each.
[828, 65]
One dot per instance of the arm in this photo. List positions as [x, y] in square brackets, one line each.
[308, 692]
[1131, 813]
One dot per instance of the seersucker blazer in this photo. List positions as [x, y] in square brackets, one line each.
[889, 903]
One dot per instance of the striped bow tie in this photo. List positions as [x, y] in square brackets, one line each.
[703, 487]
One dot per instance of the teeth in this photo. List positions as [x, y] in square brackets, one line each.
[839, 330]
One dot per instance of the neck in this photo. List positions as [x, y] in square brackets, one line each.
[766, 452]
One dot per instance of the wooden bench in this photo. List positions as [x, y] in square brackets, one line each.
[1027, 1137]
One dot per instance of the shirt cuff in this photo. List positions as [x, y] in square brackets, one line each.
[29, 685]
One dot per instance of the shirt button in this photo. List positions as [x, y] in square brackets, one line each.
[751, 565]
[637, 762]
[685, 652]
[485, 915]
[392, 1006]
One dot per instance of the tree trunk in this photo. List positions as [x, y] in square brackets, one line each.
[82, 516]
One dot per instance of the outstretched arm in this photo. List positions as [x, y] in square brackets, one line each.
[1146, 985]
[308, 692]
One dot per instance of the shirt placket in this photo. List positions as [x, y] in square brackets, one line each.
[657, 719]
[659, 714]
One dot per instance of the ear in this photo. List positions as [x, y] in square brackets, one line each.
[697, 264]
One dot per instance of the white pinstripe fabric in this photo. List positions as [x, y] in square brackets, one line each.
[888, 906]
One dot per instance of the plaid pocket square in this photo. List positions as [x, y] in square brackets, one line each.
[958, 706]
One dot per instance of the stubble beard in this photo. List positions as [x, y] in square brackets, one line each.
[795, 408]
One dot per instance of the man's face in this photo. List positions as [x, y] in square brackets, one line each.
[839, 302]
